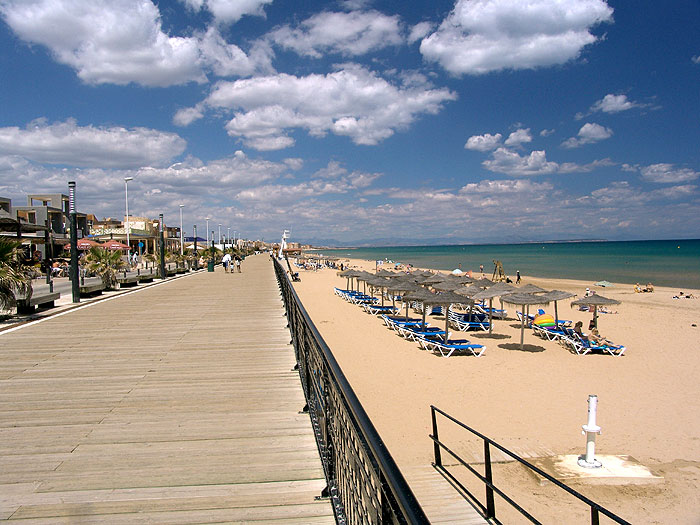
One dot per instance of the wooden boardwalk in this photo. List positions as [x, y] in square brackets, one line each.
[175, 403]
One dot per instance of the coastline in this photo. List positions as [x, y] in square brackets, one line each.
[667, 263]
[536, 399]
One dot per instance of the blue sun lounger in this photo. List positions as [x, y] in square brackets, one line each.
[452, 346]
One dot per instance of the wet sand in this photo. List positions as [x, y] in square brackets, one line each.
[535, 399]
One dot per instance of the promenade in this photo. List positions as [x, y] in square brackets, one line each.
[174, 403]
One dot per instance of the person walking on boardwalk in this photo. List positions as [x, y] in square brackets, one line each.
[238, 263]
[226, 260]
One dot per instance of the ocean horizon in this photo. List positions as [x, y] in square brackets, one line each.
[673, 263]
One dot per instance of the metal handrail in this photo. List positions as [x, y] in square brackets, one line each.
[489, 509]
[401, 504]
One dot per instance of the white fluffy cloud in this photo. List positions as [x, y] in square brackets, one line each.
[511, 163]
[89, 146]
[354, 102]
[349, 34]
[485, 142]
[668, 173]
[588, 134]
[480, 36]
[122, 41]
[518, 137]
[229, 11]
[613, 104]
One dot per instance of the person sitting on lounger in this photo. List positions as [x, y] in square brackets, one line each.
[595, 337]
[578, 328]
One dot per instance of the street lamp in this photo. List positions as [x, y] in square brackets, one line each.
[228, 235]
[219, 233]
[126, 197]
[182, 239]
[207, 232]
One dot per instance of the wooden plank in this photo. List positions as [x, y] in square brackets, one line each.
[175, 404]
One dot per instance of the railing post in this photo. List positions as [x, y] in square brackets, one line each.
[436, 446]
[488, 474]
[595, 516]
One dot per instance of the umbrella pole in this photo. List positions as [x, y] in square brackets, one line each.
[595, 316]
[490, 315]
[382, 292]
[447, 321]
[522, 330]
[556, 316]
[423, 316]
[406, 303]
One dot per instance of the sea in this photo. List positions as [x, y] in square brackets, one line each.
[664, 263]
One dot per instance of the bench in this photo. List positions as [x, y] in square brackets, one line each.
[129, 279]
[45, 300]
[92, 288]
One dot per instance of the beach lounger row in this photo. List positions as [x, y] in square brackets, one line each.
[468, 321]
[572, 340]
[431, 338]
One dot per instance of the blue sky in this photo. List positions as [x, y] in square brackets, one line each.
[358, 121]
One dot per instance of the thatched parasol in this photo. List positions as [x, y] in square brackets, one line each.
[446, 299]
[447, 286]
[483, 282]
[420, 295]
[524, 299]
[557, 295]
[530, 288]
[469, 291]
[401, 286]
[595, 301]
[387, 273]
[349, 274]
[497, 290]
[434, 279]
[377, 282]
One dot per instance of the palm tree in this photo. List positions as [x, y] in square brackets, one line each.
[15, 276]
[105, 263]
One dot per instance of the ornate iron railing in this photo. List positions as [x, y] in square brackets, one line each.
[364, 483]
[488, 508]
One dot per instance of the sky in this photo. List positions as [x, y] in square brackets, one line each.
[359, 121]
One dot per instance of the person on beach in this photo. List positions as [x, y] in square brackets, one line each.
[226, 260]
[517, 277]
[481, 269]
[578, 328]
[238, 263]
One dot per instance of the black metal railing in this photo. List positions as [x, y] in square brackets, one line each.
[364, 483]
[489, 507]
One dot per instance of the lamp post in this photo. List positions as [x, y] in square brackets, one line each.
[234, 238]
[182, 238]
[74, 277]
[207, 232]
[196, 260]
[162, 246]
[219, 233]
[228, 236]
[126, 198]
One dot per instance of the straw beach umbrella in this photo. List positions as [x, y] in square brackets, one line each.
[524, 299]
[446, 299]
[348, 274]
[420, 295]
[401, 286]
[497, 290]
[554, 296]
[530, 288]
[595, 301]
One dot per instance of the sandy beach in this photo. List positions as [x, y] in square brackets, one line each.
[535, 399]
